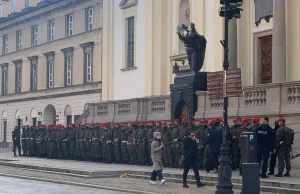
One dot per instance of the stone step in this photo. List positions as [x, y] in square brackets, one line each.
[236, 180]
[270, 189]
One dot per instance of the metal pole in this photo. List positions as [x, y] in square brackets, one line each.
[224, 185]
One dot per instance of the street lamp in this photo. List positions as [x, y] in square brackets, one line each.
[229, 9]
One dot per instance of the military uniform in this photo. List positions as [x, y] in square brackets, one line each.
[167, 152]
[28, 140]
[32, 151]
[130, 145]
[109, 147]
[95, 144]
[150, 131]
[66, 142]
[183, 134]
[103, 140]
[124, 141]
[116, 144]
[88, 135]
[48, 140]
[200, 135]
[283, 149]
[141, 140]
[53, 151]
[243, 128]
[134, 145]
[78, 142]
[23, 140]
[72, 142]
[59, 139]
[82, 143]
[175, 143]
[16, 138]
[235, 149]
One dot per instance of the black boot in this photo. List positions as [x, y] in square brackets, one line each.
[241, 171]
[263, 176]
[278, 175]
[270, 173]
[287, 174]
[185, 185]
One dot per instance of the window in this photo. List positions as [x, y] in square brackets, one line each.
[70, 25]
[33, 73]
[34, 32]
[13, 6]
[50, 69]
[4, 79]
[51, 30]
[68, 53]
[90, 19]
[5, 44]
[18, 76]
[130, 42]
[26, 3]
[19, 40]
[88, 61]
[0, 10]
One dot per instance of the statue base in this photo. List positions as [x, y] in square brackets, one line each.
[183, 97]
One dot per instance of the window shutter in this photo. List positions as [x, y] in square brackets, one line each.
[31, 80]
[86, 19]
[16, 79]
[65, 71]
[47, 73]
[84, 67]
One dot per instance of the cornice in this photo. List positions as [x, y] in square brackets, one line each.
[33, 57]
[124, 4]
[87, 44]
[67, 49]
[49, 53]
[37, 12]
[17, 61]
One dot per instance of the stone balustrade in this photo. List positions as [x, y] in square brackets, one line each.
[137, 109]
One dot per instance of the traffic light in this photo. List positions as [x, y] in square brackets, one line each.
[231, 1]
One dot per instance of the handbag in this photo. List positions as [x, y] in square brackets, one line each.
[182, 158]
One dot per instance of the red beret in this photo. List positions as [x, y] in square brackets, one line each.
[281, 119]
[256, 120]
[158, 122]
[217, 119]
[16, 126]
[197, 121]
[176, 120]
[204, 121]
[150, 121]
[245, 121]
[185, 119]
[164, 124]
[171, 124]
[234, 120]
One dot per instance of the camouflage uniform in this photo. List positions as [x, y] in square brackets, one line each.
[88, 142]
[283, 151]
[95, 144]
[53, 153]
[235, 149]
[141, 140]
[104, 150]
[72, 141]
[116, 145]
[48, 141]
[167, 152]
[23, 141]
[109, 147]
[77, 136]
[32, 150]
[150, 132]
[124, 141]
[175, 145]
[134, 145]
[200, 135]
[65, 142]
[28, 140]
[82, 143]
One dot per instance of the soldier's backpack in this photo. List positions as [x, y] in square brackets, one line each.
[289, 136]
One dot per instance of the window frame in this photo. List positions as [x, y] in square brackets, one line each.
[33, 74]
[68, 60]
[51, 31]
[90, 19]
[88, 53]
[50, 60]
[70, 25]
[19, 40]
[4, 79]
[26, 3]
[130, 29]
[34, 35]
[18, 75]
[13, 6]
[5, 44]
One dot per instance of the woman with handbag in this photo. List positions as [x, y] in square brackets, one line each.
[190, 160]
[156, 151]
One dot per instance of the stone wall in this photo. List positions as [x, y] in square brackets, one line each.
[136, 109]
[273, 100]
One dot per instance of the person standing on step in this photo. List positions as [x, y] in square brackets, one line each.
[191, 159]
[16, 138]
[150, 132]
[124, 141]
[175, 143]
[23, 139]
[156, 153]
[274, 153]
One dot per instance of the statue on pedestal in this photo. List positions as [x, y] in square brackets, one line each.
[195, 46]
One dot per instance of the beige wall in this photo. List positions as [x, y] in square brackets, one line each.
[79, 37]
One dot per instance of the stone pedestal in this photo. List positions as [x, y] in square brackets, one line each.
[183, 93]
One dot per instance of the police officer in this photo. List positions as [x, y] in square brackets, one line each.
[16, 140]
[274, 153]
[264, 145]
[283, 150]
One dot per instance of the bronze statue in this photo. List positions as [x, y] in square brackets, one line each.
[195, 46]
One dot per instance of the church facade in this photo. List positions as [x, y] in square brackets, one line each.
[140, 47]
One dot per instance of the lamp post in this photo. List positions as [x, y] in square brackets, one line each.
[228, 10]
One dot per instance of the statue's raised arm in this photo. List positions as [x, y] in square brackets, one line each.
[195, 46]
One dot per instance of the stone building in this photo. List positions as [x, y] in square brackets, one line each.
[50, 62]
[140, 46]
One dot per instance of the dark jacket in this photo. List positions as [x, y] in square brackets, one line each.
[265, 136]
[274, 131]
[214, 139]
[190, 145]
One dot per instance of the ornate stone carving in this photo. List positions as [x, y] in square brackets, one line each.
[102, 110]
[293, 94]
[216, 104]
[124, 109]
[255, 97]
[158, 106]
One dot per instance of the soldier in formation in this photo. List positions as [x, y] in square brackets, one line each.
[129, 143]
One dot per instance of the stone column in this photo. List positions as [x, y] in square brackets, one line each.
[279, 42]
[232, 43]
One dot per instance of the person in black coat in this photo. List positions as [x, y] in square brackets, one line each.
[214, 140]
[190, 159]
[274, 153]
[264, 145]
[16, 138]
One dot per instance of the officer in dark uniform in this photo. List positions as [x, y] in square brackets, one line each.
[264, 145]
[16, 140]
[24, 146]
[274, 153]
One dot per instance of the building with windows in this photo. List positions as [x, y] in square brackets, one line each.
[140, 47]
[50, 62]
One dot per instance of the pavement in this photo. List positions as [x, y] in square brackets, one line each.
[15, 185]
[99, 175]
